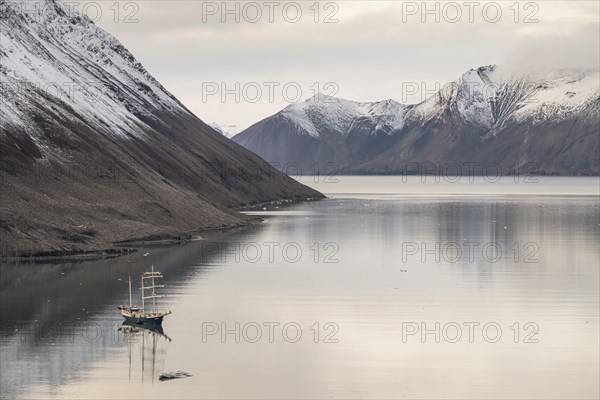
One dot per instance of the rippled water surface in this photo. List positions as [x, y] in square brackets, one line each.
[389, 288]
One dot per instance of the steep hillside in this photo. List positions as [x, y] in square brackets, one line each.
[95, 152]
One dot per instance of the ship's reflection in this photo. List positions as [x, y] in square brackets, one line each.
[147, 344]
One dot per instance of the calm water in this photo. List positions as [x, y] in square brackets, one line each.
[388, 289]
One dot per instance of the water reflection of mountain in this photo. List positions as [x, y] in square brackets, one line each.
[57, 318]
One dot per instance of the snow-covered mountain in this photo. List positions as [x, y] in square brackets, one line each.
[545, 123]
[225, 130]
[96, 152]
[325, 113]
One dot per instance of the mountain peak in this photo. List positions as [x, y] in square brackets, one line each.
[488, 114]
[320, 97]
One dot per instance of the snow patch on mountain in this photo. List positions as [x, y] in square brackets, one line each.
[560, 94]
[228, 131]
[491, 97]
[56, 54]
[325, 113]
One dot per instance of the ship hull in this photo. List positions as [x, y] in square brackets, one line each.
[144, 320]
[134, 315]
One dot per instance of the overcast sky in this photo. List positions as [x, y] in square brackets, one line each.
[362, 51]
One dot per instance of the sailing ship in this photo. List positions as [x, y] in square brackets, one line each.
[139, 315]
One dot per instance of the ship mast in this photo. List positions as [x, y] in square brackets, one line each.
[153, 296]
[153, 292]
[143, 292]
[130, 302]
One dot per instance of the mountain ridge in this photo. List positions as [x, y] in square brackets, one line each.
[466, 121]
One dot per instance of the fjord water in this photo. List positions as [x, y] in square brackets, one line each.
[390, 288]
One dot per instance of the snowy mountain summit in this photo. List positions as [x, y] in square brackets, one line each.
[492, 97]
[225, 130]
[547, 121]
[326, 113]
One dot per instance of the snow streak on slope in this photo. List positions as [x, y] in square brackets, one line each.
[225, 130]
[324, 113]
[491, 97]
[61, 53]
[501, 97]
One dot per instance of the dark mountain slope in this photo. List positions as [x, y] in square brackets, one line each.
[95, 151]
